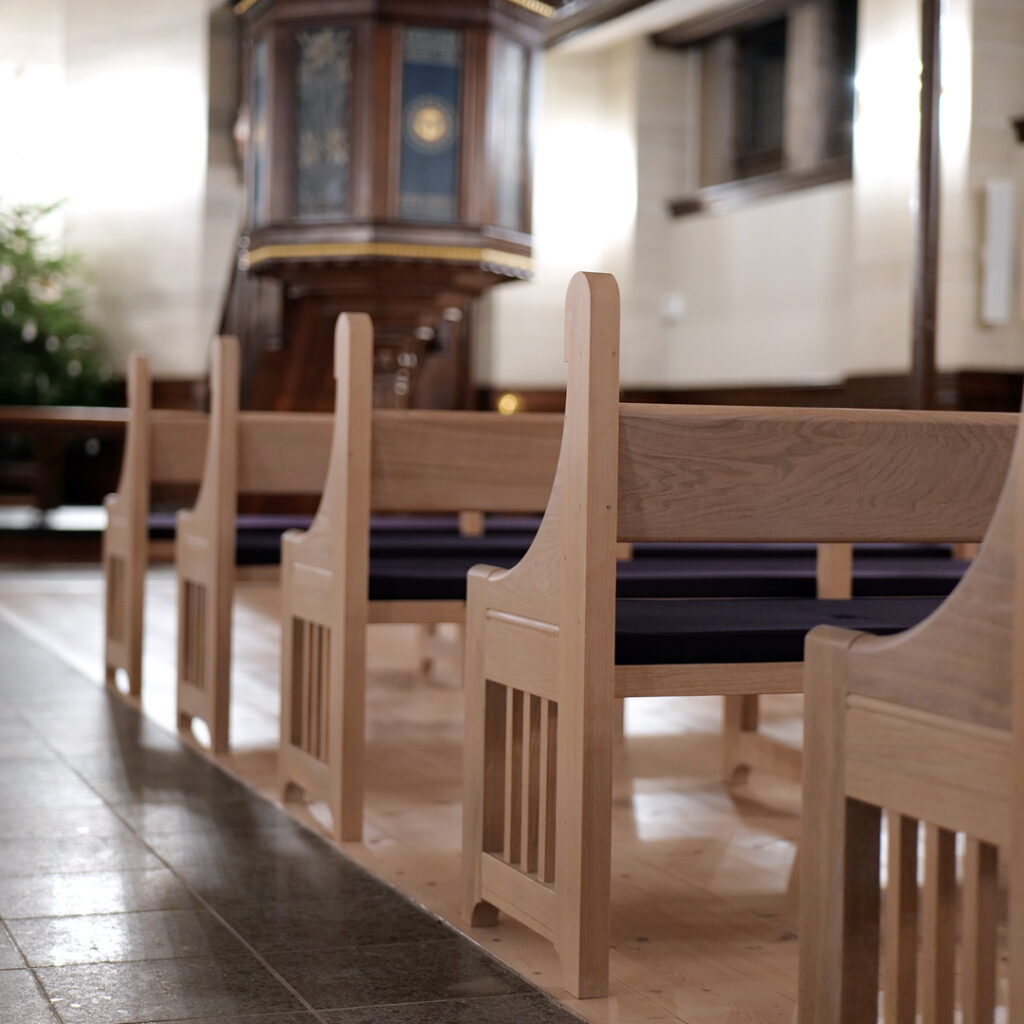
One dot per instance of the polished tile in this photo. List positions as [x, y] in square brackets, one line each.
[146, 935]
[97, 892]
[282, 843]
[536, 1009]
[199, 815]
[59, 822]
[269, 881]
[10, 958]
[118, 993]
[21, 1001]
[142, 884]
[32, 790]
[73, 855]
[274, 1018]
[378, 915]
[414, 972]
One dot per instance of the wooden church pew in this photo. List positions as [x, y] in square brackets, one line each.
[161, 447]
[924, 729]
[418, 462]
[548, 648]
[387, 462]
[270, 453]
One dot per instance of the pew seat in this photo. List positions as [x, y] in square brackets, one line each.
[748, 631]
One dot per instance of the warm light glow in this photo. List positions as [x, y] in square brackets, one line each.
[34, 145]
[139, 135]
[586, 192]
[508, 404]
[888, 85]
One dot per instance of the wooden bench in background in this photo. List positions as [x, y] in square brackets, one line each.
[385, 462]
[161, 446]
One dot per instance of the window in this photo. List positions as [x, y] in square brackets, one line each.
[776, 97]
[760, 98]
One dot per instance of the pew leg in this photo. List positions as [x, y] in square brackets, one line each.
[220, 732]
[427, 636]
[741, 716]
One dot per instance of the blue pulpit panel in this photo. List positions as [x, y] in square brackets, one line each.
[431, 86]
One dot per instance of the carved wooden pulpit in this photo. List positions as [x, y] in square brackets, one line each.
[387, 165]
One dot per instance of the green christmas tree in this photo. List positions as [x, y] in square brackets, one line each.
[49, 354]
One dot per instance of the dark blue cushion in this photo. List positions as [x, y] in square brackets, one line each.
[748, 631]
[660, 549]
[774, 576]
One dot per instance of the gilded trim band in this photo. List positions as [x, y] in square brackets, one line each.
[448, 253]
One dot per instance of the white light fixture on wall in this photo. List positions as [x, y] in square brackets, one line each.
[998, 252]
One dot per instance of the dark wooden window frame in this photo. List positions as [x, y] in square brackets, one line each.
[818, 118]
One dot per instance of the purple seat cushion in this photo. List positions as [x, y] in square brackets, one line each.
[747, 631]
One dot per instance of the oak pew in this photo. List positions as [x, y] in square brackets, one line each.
[385, 462]
[548, 647]
[923, 731]
[267, 453]
[161, 447]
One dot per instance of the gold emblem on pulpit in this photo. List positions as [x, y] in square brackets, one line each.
[430, 123]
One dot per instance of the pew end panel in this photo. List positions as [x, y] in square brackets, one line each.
[325, 606]
[205, 563]
[921, 730]
[161, 446]
[390, 462]
[539, 682]
[124, 551]
[266, 453]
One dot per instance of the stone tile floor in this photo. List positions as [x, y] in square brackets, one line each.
[139, 883]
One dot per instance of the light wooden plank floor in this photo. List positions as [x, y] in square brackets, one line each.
[703, 906]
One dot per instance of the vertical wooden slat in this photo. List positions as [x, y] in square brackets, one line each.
[980, 917]
[305, 683]
[861, 913]
[323, 694]
[297, 692]
[513, 774]
[546, 813]
[201, 635]
[899, 971]
[938, 955]
[531, 784]
[312, 667]
[494, 811]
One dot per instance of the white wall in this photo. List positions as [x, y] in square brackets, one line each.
[137, 94]
[764, 290]
[805, 288]
[108, 104]
[33, 149]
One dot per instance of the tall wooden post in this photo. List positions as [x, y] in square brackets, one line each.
[923, 390]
